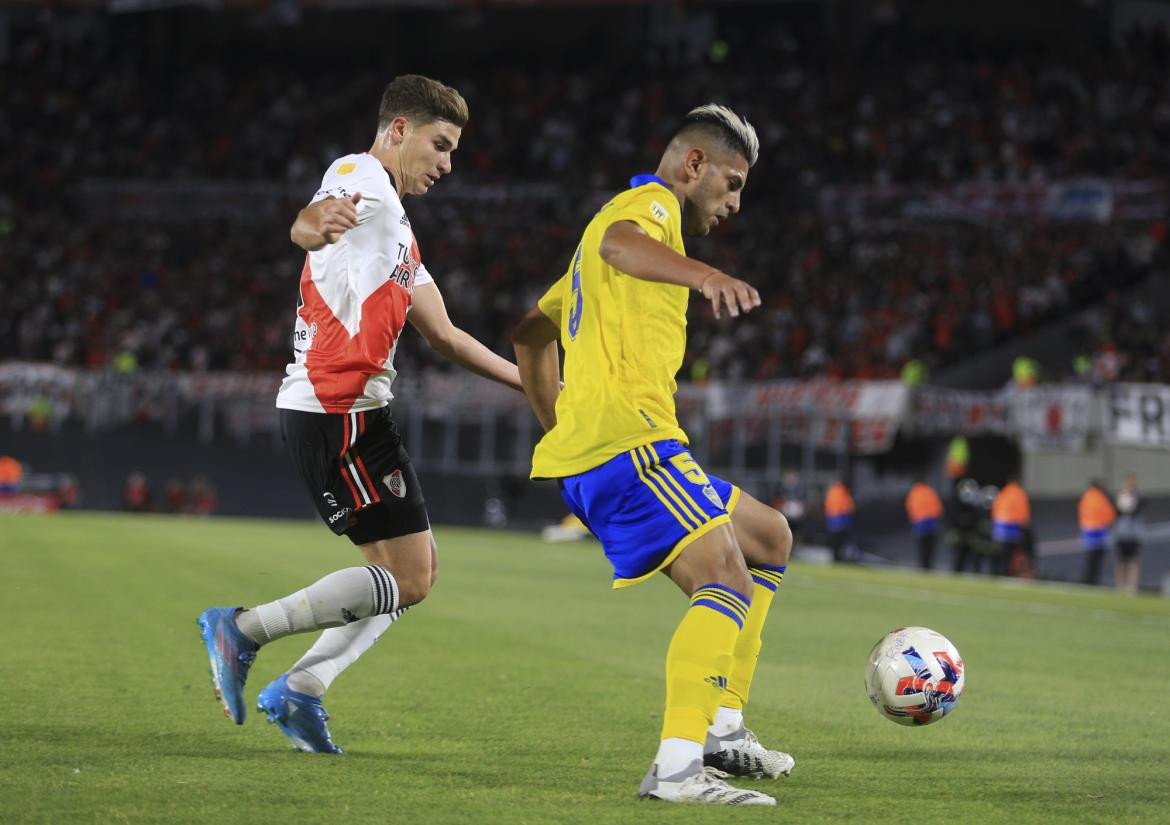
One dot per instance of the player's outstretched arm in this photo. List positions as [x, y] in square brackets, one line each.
[535, 342]
[324, 222]
[627, 248]
[428, 314]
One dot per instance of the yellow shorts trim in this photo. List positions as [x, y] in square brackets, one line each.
[735, 494]
[674, 553]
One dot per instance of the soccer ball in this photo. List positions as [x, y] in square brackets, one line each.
[914, 676]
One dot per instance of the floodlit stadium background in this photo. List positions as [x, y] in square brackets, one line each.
[958, 225]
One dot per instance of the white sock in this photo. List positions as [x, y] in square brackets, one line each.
[335, 650]
[342, 597]
[675, 754]
[727, 721]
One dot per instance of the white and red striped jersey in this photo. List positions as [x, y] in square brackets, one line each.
[354, 298]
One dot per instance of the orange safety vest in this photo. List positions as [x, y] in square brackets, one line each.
[10, 470]
[838, 502]
[1095, 512]
[922, 503]
[1011, 506]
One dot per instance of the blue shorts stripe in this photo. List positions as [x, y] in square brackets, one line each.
[719, 608]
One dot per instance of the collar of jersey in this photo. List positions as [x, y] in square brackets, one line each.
[389, 174]
[642, 180]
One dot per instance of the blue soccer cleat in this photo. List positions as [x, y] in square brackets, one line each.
[299, 716]
[231, 654]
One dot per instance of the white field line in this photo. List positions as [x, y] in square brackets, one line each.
[1025, 606]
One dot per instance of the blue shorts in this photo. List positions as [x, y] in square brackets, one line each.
[647, 505]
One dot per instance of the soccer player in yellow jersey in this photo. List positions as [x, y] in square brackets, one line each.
[614, 444]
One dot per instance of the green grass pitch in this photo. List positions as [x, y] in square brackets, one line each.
[526, 691]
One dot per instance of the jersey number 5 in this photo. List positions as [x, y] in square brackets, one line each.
[575, 299]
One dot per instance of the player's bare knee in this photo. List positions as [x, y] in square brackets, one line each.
[780, 543]
[731, 572]
[414, 586]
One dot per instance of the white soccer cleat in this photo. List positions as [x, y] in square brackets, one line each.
[698, 784]
[741, 754]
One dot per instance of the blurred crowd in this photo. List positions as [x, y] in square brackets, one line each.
[841, 298]
[195, 497]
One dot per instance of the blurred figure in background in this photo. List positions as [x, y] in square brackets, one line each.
[963, 535]
[175, 496]
[11, 472]
[791, 503]
[839, 509]
[958, 458]
[924, 508]
[137, 494]
[1127, 531]
[1011, 521]
[1096, 515]
[201, 498]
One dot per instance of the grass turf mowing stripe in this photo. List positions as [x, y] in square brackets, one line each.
[526, 690]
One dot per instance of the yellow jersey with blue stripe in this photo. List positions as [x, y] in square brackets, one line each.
[624, 339]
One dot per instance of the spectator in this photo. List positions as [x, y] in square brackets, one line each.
[1127, 532]
[958, 458]
[791, 502]
[964, 525]
[202, 500]
[175, 497]
[136, 496]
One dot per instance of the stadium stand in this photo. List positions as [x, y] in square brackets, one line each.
[845, 296]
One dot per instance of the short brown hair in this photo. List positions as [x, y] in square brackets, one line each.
[422, 100]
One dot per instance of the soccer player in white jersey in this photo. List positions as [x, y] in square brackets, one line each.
[363, 279]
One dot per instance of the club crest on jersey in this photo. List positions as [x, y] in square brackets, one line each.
[713, 496]
[395, 483]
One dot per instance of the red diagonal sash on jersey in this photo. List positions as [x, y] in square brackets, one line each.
[339, 365]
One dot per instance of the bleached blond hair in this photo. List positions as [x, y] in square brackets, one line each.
[733, 131]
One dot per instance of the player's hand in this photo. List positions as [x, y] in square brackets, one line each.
[336, 216]
[720, 288]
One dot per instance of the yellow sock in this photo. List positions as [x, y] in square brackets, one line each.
[699, 659]
[747, 647]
